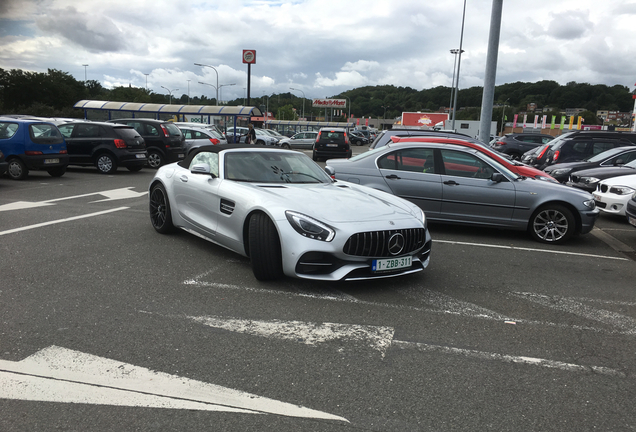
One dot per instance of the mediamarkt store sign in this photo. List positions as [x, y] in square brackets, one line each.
[329, 103]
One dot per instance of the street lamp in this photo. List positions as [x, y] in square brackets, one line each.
[455, 52]
[85, 66]
[169, 92]
[146, 80]
[217, 79]
[384, 115]
[349, 107]
[189, 92]
[225, 85]
[459, 61]
[303, 98]
[216, 89]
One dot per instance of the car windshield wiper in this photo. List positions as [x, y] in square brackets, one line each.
[291, 173]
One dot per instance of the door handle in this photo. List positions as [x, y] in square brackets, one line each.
[183, 178]
[393, 177]
[451, 183]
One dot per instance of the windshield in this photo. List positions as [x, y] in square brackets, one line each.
[631, 164]
[604, 155]
[272, 167]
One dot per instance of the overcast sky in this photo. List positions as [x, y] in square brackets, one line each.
[320, 47]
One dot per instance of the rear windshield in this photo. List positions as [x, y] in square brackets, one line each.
[327, 135]
[127, 132]
[172, 129]
[44, 133]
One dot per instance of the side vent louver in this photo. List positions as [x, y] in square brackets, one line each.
[227, 206]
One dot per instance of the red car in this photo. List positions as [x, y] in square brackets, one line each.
[514, 166]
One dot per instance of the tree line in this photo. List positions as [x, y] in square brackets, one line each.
[53, 94]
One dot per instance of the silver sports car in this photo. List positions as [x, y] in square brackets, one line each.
[457, 184]
[280, 209]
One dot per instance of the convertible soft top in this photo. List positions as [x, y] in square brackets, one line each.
[219, 148]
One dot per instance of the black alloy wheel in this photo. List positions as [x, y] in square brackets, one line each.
[159, 207]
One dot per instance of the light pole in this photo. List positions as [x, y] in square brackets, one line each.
[85, 66]
[169, 92]
[267, 107]
[303, 98]
[503, 115]
[189, 92]
[217, 79]
[244, 96]
[146, 80]
[459, 61]
[384, 115]
[225, 85]
[212, 85]
[455, 52]
[349, 100]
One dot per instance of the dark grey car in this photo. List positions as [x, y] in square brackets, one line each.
[516, 144]
[456, 184]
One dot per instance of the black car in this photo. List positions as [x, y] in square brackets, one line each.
[516, 144]
[332, 143]
[630, 211]
[579, 145]
[611, 158]
[105, 145]
[589, 178]
[357, 138]
[164, 141]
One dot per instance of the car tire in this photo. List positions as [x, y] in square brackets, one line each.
[105, 163]
[552, 223]
[286, 146]
[159, 208]
[135, 168]
[260, 142]
[17, 170]
[57, 172]
[155, 159]
[315, 157]
[265, 250]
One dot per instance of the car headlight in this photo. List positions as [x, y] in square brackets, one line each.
[591, 204]
[310, 227]
[590, 180]
[621, 190]
[540, 177]
[561, 171]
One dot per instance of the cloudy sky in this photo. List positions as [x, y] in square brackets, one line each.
[320, 47]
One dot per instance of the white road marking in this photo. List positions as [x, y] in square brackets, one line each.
[379, 338]
[111, 195]
[575, 307]
[308, 333]
[530, 249]
[43, 224]
[61, 375]
[532, 361]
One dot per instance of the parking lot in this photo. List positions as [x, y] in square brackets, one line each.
[107, 325]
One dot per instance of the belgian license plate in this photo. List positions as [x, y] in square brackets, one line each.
[597, 197]
[332, 145]
[51, 161]
[389, 264]
[631, 220]
[181, 156]
[140, 156]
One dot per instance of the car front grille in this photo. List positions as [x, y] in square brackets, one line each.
[383, 243]
[603, 188]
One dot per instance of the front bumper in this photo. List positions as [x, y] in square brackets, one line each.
[611, 203]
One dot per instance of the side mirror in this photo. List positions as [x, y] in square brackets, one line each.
[332, 172]
[201, 168]
[497, 177]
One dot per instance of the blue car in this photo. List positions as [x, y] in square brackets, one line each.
[32, 145]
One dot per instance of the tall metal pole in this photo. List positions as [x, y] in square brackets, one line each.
[303, 99]
[217, 79]
[491, 71]
[85, 66]
[459, 62]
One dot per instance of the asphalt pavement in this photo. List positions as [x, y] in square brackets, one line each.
[108, 325]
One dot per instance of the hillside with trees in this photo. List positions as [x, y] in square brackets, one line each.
[54, 93]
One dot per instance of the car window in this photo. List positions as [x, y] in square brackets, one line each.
[414, 160]
[66, 130]
[139, 127]
[151, 130]
[545, 140]
[172, 129]
[87, 131]
[579, 147]
[601, 146]
[212, 159]
[270, 167]
[7, 130]
[462, 164]
[45, 133]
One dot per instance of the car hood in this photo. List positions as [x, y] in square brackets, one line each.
[571, 165]
[347, 202]
[605, 172]
[627, 180]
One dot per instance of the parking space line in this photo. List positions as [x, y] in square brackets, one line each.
[530, 249]
[43, 224]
